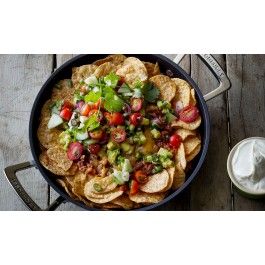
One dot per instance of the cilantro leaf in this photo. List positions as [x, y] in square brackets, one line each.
[113, 103]
[150, 92]
[92, 122]
[92, 96]
[111, 80]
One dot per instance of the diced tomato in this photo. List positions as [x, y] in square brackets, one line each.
[85, 110]
[66, 114]
[135, 118]
[97, 104]
[134, 187]
[136, 104]
[140, 176]
[96, 134]
[117, 119]
[92, 111]
[189, 114]
[118, 135]
[75, 150]
[67, 104]
[175, 141]
[94, 149]
[114, 119]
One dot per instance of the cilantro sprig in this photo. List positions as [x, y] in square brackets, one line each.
[150, 92]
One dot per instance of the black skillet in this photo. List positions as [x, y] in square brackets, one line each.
[166, 66]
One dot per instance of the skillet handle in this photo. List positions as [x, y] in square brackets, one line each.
[10, 173]
[216, 69]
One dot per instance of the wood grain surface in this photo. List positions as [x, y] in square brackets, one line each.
[235, 115]
[21, 77]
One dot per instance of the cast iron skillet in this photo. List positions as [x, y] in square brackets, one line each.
[166, 66]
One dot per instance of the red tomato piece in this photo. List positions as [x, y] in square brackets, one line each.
[67, 104]
[118, 135]
[175, 141]
[97, 104]
[135, 118]
[85, 110]
[66, 114]
[140, 176]
[97, 134]
[117, 119]
[114, 119]
[75, 150]
[94, 149]
[189, 114]
[134, 187]
[136, 104]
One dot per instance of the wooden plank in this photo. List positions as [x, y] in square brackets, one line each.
[211, 190]
[247, 108]
[21, 77]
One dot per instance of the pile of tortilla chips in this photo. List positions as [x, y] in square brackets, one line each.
[81, 186]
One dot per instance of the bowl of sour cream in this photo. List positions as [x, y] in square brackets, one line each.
[246, 166]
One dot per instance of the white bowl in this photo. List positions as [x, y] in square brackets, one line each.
[244, 191]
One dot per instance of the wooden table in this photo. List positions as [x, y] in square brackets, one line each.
[235, 115]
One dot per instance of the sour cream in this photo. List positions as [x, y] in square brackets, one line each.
[248, 164]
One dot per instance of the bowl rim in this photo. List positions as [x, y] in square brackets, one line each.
[230, 172]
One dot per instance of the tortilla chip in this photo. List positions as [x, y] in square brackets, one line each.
[188, 126]
[54, 168]
[45, 111]
[106, 184]
[82, 72]
[59, 156]
[67, 187]
[124, 202]
[152, 69]
[183, 93]
[157, 182]
[194, 153]
[180, 156]
[116, 59]
[166, 86]
[133, 71]
[193, 100]
[184, 133]
[148, 198]
[63, 90]
[191, 144]
[78, 182]
[179, 178]
[105, 197]
[47, 137]
[104, 69]
[171, 172]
